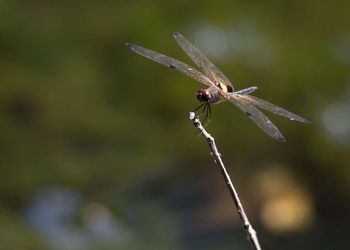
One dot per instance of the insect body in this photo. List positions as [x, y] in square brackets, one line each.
[220, 88]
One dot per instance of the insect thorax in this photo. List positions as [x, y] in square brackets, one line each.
[215, 97]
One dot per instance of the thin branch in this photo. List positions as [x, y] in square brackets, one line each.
[250, 232]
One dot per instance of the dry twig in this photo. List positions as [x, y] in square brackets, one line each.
[250, 232]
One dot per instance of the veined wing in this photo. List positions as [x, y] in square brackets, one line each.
[206, 66]
[260, 103]
[171, 63]
[255, 115]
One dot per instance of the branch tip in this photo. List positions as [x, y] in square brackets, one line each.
[192, 115]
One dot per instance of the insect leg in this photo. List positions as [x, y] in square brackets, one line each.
[206, 113]
[200, 106]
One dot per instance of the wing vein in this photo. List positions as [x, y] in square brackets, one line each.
[255, 115]
[171, 63]
[204, 64]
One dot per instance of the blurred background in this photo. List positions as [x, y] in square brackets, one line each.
[97, 151]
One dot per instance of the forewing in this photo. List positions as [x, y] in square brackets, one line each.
[171, 63]
[206, 66]
[255, 115]
[260, 103]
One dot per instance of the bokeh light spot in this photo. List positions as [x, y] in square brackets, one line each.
[212, 40]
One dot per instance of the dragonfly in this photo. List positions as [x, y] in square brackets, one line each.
[220, 88]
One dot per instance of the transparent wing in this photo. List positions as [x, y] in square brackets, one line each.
[272, 108]
[206, 66]
[255, 115]
[171, 63]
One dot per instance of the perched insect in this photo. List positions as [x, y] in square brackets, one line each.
[220, 88]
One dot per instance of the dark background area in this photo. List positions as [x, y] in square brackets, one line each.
[96, 149]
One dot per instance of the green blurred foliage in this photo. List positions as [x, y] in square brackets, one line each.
[78, 110]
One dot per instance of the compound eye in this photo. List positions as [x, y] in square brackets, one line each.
[199, 96]
[203, 95]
